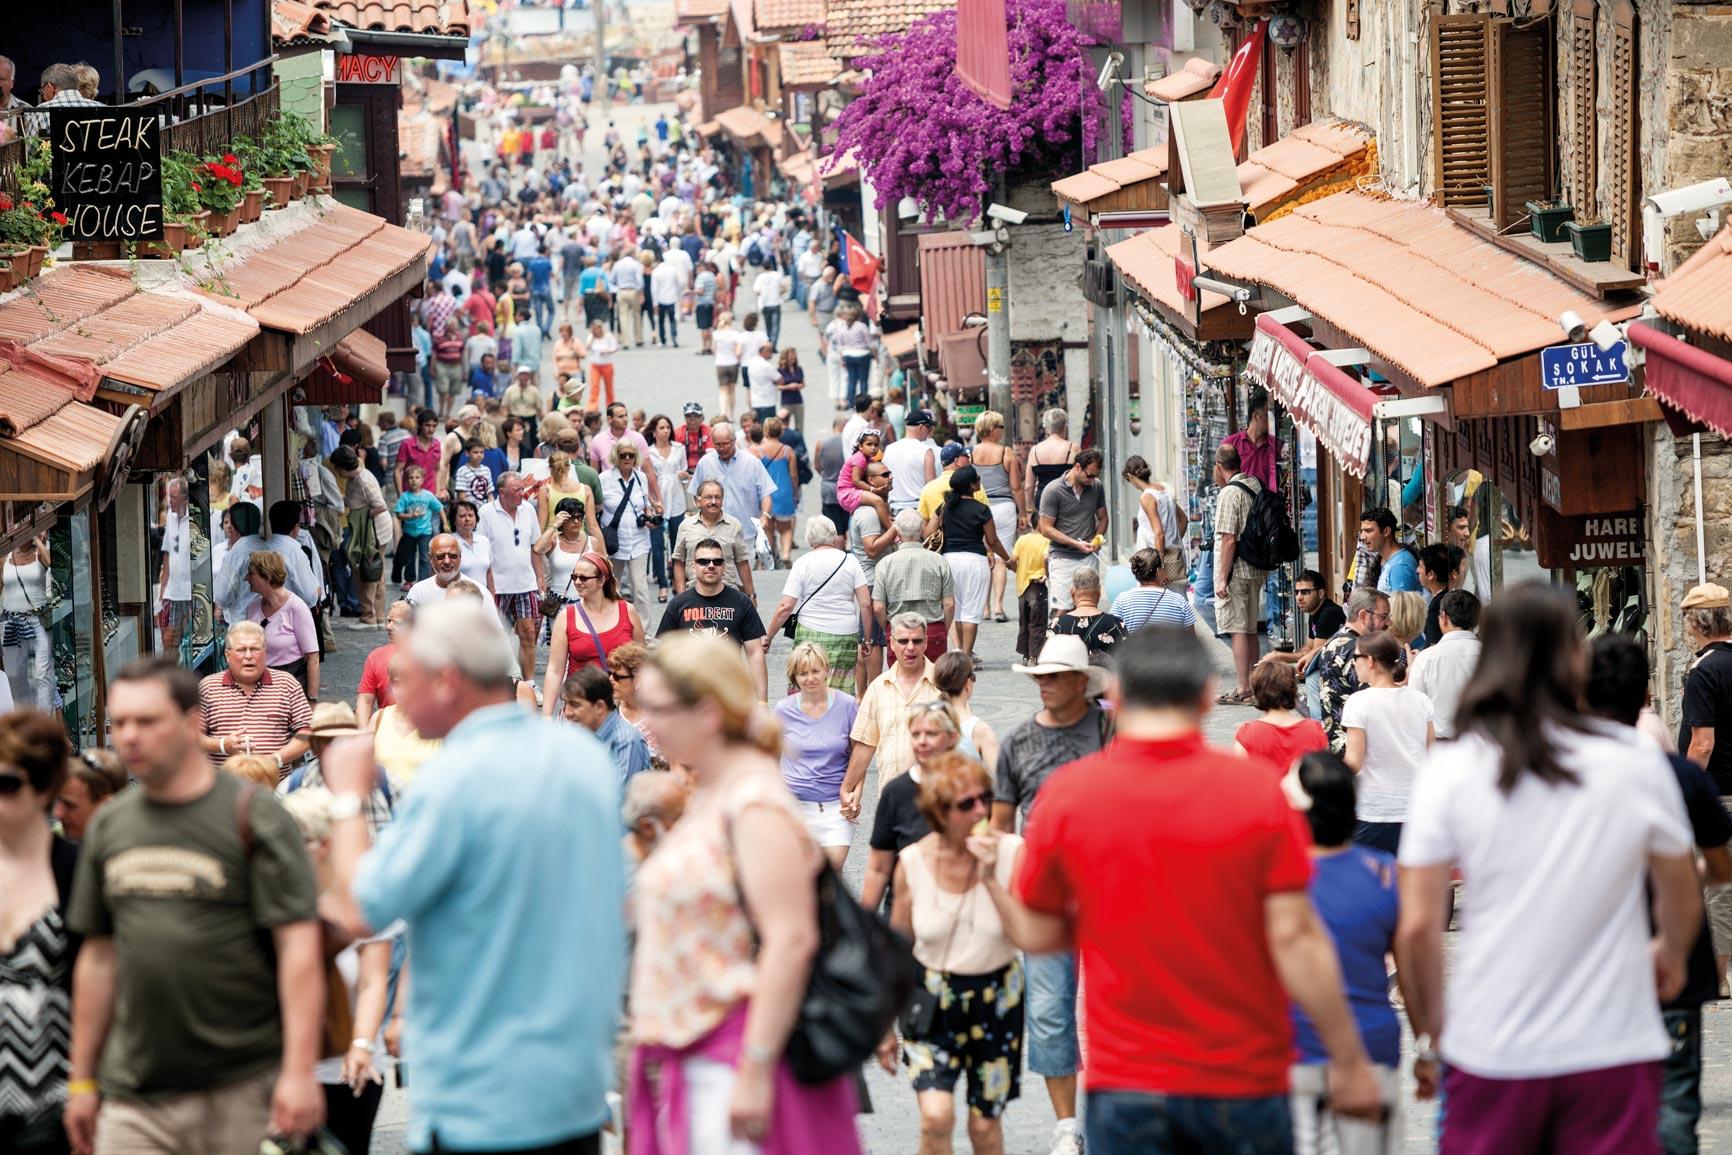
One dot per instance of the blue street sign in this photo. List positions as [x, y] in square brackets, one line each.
[1067, 224]
[1582, 365]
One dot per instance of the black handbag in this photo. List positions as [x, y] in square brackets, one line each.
[863, 975]
[793, 622]
[610, 529]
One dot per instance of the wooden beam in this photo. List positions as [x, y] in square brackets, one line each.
[1635, 411]
[1600, 278]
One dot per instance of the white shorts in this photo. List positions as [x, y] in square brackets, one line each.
[1004, 520]
[1058, 575]
[825, 823]
[709, 1095]
[972, 575]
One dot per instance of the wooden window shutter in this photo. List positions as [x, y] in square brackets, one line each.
[1522, 131]
[1583, 138]
[1461, 127]
[1622, 135]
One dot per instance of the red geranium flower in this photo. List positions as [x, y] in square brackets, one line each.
[5, 203]
[194, 185]
[229, 158]
[57, 217]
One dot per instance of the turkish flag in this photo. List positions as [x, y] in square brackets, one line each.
[1233, 90]
[862, 269]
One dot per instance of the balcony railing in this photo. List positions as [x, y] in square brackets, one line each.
[199, 118]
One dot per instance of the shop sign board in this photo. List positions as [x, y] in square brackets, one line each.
[1335, 407]
[106, 172]
[1595, 540]
[360, 68]
[1583, 364]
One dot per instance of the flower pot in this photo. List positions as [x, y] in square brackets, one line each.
[1547, 220]
[321, 178]
[98, 250]
[1490, 199]
[173, 241]
[197, 228]
[300, 188]
[253, 206]
[1590, 242]
[8, 278]
[278, 189]
[37, 254]
[224, 224]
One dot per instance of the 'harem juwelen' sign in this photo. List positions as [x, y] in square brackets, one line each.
[107, 172]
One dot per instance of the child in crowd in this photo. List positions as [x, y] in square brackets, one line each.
[473, 476]
[419, 517]
[1029, 554]
[852, 490]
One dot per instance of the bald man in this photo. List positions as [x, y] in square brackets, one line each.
[446, 553]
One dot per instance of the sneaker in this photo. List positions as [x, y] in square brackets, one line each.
[357, 624]
[1066, 1139]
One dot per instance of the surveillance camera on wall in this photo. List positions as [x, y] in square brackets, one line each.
[1573, 326]
[1693, 198]
[1005, 214]
[1541, 445]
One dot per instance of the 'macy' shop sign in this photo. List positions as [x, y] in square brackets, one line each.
[107, 172]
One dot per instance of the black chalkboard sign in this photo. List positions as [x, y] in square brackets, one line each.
[107, 172]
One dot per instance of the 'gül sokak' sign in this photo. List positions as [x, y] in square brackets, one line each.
[107, 172]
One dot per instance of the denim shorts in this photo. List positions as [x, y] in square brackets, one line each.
[1149, 1123]
[1052, 1044]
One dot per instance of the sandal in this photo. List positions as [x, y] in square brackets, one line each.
[662, 597]
[1233, 698]
[999, 617]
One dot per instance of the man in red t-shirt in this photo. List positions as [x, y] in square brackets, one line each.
[1179, 873]
[374, 692]
[693, 433]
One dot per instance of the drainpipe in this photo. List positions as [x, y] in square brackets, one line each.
[1701, 535]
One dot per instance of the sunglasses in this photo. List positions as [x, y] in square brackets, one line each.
[580, 578]
[908, 641]
[707, 561]
[615, 676]
[10, 784]
[983, 799]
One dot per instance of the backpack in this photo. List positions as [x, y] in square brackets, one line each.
[754, 254]
[1268, 540]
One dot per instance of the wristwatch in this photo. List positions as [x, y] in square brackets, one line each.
[367, 1045]
[345, 806]
[1424, 1051]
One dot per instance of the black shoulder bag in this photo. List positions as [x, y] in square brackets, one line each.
[610, 529]
[793, 622]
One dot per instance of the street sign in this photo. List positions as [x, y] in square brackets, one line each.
[1562, 366]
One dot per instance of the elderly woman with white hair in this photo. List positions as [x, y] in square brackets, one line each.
[829, 601]
[628, 513]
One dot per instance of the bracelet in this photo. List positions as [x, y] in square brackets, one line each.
[223, 747]
[763, 1056]
[82, 1087]
[366, 1045]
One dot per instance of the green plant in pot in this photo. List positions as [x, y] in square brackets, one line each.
[221, 191]
[1591, 240]
[1546, 220]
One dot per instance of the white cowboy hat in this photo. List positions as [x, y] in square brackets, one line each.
[1067, 654]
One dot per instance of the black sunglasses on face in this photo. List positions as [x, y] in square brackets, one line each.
[707, 561]
[984, 798]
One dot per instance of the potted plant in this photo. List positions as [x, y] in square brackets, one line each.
[1546, 219]
[25, 234]
[34, 167]
[1591, 240]
[180, 204]
[220, 192]
[252, 183]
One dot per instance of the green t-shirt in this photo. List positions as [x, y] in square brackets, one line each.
[590, 478]
[190, 914]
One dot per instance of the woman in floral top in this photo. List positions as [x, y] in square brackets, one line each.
[715, 992]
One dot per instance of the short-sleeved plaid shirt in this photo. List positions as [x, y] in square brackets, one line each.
[273, 713]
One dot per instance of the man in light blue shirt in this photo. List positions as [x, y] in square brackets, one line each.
[746, 484]
[587, 701]
[508, 872]
[1399, 569]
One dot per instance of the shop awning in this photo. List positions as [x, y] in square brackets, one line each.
[355, 373]
[960, 356]
[1127, 184]
[902, 342]
[325, 280]
[746, 125]
[1698, 294]
[1431, 298]
[53, 446]
[837, 170]
[1693, 381]
[1194, 78]
[1148, 263]
[92, 329]
[1322, 398]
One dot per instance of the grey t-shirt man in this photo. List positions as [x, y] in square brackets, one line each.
[862, 525]
[1072, 513]
[1030, 753]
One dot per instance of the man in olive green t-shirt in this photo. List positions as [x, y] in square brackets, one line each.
[200, 986]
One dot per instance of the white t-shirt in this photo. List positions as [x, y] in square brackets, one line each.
[906, 460]
[1552, 974]
[1442, 672]
[772, 289]
[511, 538]
[477, 560]
[832, 608]
[428, 591]
[1394, 720]
[729, 344]
[177, 546]
[763, 382]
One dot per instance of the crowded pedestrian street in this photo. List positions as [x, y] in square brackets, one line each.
[798, 577]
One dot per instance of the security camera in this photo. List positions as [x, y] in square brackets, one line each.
[1693, 198]
[907, 209]
[1709, 224]
[1604, 335]
[1541, 445]
[1005, 214]
[1573, 326]
[1110, 70]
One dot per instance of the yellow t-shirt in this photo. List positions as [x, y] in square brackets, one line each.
[932, 494]
[1029, 554]
[401, 752]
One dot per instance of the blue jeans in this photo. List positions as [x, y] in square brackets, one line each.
[773, 324]
[542, 306]
[661, 547]
[859, 370]
[1681, 1083]
[1052, 1045]
[1149, 1123]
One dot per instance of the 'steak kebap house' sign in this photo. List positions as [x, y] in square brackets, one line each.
[107, 172]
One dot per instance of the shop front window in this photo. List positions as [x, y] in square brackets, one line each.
[1499, 547]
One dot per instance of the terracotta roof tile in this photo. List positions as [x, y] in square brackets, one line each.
[1146, 261]
[418, 136]
[1196, 76]
[85, 323]
[1110, 176]
[850, 26]
[775, 15]
[425, 17]
[311, 275]
[806, 62]
[48, 423]
[1401, 278]
[745, 124]
[687, 11]
[1312, 160]
[1698, 294]
[293, 22]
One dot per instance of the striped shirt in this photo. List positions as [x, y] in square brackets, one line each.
[273, 714]
[851, 340]
[1153, 606]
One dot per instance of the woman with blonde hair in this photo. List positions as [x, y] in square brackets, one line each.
[291, 634]
[716, 1034]
[933, 729]
[1407, 620]
[816, 722]
[954, 675]
[1001, 478]
[623, 665]
[974, 979]
[254, 768]
[562, 482]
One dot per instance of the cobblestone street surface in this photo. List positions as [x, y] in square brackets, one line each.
[659, 381]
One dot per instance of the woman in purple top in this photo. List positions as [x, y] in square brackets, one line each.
[291, 636]
[816, 722]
